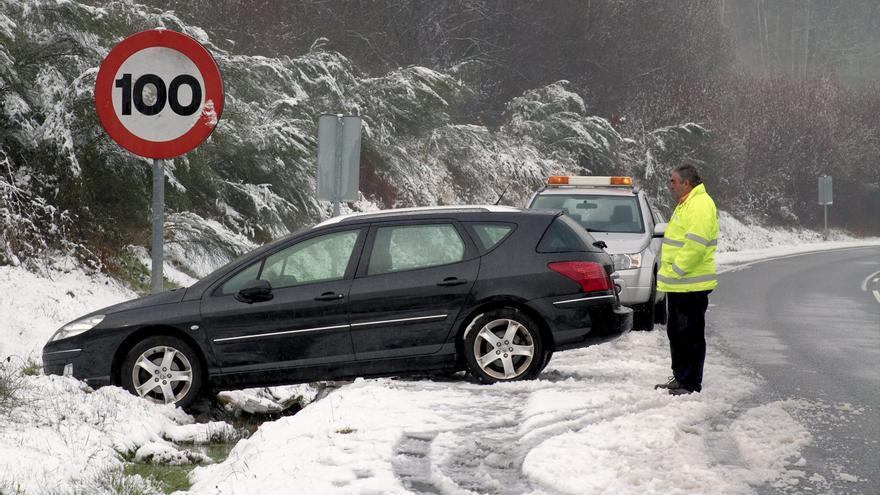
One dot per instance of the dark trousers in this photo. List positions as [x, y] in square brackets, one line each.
[686, 328]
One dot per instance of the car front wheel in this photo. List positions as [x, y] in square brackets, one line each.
[163, 369]
[504, 345]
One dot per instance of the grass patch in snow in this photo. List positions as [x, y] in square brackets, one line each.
[31, 367]
[167, 478]
[10, 386]
[173, 478]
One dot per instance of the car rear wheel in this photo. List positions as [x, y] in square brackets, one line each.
[504, 345]
[163, 369]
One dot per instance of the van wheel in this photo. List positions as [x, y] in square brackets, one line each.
[504, 345]
[643, 319]
[163, 369]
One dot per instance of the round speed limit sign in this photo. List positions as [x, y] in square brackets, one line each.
[158, 94]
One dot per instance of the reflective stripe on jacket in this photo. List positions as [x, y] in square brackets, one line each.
[687, 261]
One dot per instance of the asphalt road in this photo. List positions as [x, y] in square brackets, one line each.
[810, 326]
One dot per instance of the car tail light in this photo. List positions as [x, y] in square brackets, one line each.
[591, 276]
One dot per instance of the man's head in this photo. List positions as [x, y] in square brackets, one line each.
[683, 179]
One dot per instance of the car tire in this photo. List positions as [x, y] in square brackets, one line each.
[644, 316]
[163, 369]
[547, 356]
[504, 345]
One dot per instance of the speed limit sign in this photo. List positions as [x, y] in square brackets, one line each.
[158, 94]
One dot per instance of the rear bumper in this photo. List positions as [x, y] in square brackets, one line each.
[584, 321]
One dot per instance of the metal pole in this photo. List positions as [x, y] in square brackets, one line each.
[158, 217]
[337, 177]
[825, 206]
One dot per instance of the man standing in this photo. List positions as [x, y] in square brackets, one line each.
[687, 275]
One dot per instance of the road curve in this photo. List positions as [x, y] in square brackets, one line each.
[810, 325]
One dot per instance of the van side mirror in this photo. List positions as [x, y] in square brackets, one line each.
[255, 291]
[659, 230]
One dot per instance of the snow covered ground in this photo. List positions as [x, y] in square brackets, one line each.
[592, 423]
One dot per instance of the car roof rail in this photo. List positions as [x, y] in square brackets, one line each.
[366, 215]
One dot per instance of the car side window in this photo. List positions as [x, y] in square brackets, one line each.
[408, 247]
[234, 284]
[490, 234]
[318, 259]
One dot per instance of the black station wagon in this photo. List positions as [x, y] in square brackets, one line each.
[494, 290]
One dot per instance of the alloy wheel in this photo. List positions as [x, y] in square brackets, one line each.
[504, 349]
[162, 374]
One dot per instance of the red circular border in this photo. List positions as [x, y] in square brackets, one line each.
[104, 87]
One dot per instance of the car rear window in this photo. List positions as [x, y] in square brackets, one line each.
[564, 235]
[489, 235]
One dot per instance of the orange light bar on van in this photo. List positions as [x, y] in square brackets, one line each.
[582, 180]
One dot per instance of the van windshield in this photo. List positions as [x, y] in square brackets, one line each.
[597, 213]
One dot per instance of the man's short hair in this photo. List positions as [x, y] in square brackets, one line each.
[688, 172]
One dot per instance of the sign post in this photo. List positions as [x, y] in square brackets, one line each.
[825, 199]
[158, 94]
[339, 156]
[158, 211]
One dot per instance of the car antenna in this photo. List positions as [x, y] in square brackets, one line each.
[502, 194]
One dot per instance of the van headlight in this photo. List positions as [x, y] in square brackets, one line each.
[77, 327]
[626, 261]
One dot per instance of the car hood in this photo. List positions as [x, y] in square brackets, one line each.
[167, 297]
[622, 243]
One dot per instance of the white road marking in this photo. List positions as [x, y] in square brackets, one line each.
[865, 282]
[737, 266]
[877, 295]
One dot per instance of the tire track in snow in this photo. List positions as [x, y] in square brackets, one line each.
[411, 463]
[486, 455]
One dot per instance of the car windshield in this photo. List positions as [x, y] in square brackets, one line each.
[597, 213]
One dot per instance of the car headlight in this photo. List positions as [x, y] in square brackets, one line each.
[77, 327]
[626, 261]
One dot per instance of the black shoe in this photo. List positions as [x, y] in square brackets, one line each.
[680, 391]
[672, 383]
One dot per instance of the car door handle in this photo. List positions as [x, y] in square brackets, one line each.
[450, 281]
[329, 296]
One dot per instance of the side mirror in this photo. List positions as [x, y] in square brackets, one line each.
[255, 291]
[660, 230]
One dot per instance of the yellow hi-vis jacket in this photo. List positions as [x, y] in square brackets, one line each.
[687, 261]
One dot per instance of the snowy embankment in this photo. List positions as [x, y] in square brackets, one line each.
[592, 423]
